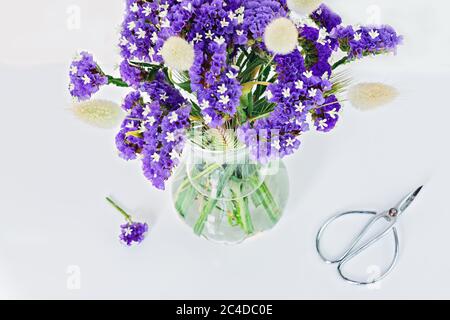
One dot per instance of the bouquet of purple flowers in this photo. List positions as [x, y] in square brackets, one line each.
[246, 65]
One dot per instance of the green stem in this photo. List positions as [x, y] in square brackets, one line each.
[211, 203]
[264, 197]
[126, 215]
[117, 82]
[185, 199]
[344, 60]
[246, 218]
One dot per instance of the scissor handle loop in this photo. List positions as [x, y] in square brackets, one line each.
[351, 252]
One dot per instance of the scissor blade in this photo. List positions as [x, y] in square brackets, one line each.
[409, 199]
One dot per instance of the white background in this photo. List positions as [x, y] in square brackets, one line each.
[55, 172]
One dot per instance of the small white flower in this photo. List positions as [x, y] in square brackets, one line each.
[224, 99]
[164, 6]
[207, 119]
[308, 74]
[163, 14]
[156, 157]
[123, 41]
[224, 23]
[151, 120]
[209, 35]
[286, 92]
[276, 144]
[300, 107]
[147, 11]
[73, 69]
[281, 36]
[163, 96]
[173, 117]
[128, 231]
[232, 15]
[219, 40]
[290, 142]
[146, 111]
[86, 79]
[173, 154]
[170, 137]
[323, 34]
[222, 89]
[178, 54]
[198, 38]
[240, 10]
[322, 124]
[299, 85]
[231, 75]
[131, 25]
[374, 34]
[239, 32]
[154, 37]
[134, 7]
[132, 48]
[204, 104]
[357, 36]
[333, 113]
[240, 19]
[130, 125]
[312, 92]
[141, 33]
[165, 23]
[142, 127]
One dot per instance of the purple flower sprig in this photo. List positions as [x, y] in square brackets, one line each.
[131, 232]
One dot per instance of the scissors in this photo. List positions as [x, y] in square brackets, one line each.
[357, 245]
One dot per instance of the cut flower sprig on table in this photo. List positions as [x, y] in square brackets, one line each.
[245, 73]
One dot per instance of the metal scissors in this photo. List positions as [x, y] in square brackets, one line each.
[357, 245]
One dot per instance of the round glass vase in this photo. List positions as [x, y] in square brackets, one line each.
[227, 197]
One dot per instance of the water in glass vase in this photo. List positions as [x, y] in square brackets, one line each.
[225, 196]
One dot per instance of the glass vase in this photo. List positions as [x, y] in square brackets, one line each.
[227, 197]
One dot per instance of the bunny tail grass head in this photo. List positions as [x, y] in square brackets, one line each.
[303, 7]
[98, 113]
[178, 54]
[281, 36]
[369, 96]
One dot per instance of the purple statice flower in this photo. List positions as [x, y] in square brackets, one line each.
[132, 75]
[216, 26]
[139, 29]
[367, 40]
[326, 18]
[300, 97]
[326, 116]
[317, 50]
[162, 92]
[162, 147]
[133, 233]
[154, 131]
[130, 232]
[223, 97]
[258, 14]
[128, 144]
[86, 77]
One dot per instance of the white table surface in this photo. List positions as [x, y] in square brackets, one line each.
[55, 172]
